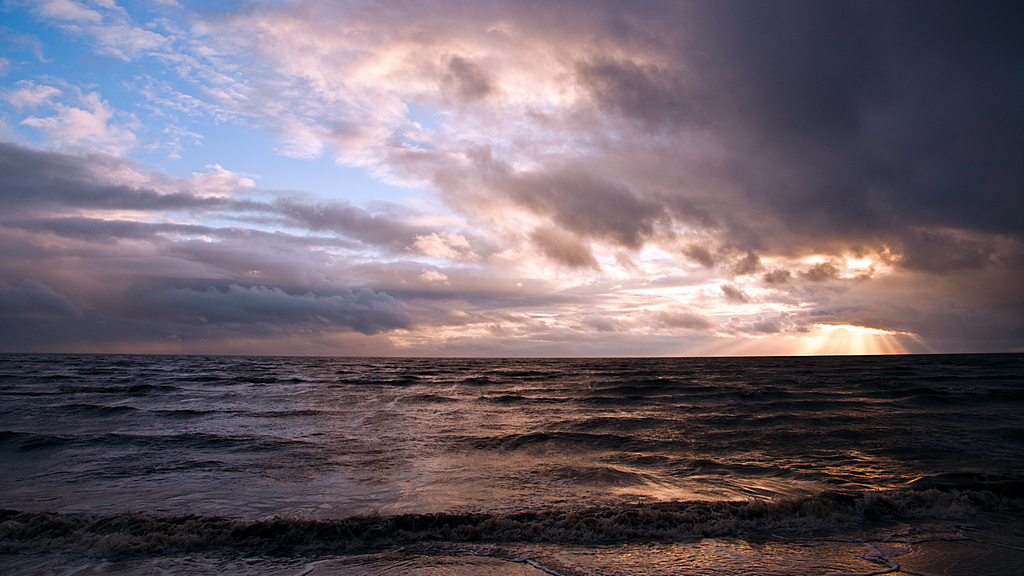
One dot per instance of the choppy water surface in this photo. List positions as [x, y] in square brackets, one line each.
[327, 438]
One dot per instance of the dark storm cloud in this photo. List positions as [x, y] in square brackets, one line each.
[852, 121]
[156, 279]
[576, 200]
[364, 311]
[654, 95]
[944, 252]
[34, 299]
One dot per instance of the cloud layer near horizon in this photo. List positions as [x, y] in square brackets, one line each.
[667, 178]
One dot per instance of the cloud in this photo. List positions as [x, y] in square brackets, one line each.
[43, 181]
[747, 265]
[68, 10]
[364, 311]
[945, 251]
[701, 255]
[687, 320]
[110, 26]
[655, 95]
[123, 40]
[602, 324]
[217, 182]
[468, 80]
[433, 276]
[829, 121]
[444, 245]
[598, 169]
[734, 294]
[87, 127]
[822, 130]
[820, 272]
[343, 218]
[802, 142]
[564, 248]
[777, 276]
[34, 299]
[99, 236]
[35, 180]
[28, 94]
[574, 200]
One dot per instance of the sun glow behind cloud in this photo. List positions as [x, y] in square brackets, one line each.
[818, 340]
[844, 339]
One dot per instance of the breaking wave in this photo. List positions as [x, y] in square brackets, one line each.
[136, 533]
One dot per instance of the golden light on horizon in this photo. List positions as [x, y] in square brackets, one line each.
[846, 339]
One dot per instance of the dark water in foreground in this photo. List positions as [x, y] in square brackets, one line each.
[549, 461]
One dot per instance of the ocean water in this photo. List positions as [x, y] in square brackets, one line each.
[185, 464]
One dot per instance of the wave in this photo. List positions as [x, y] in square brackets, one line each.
[430, 399]
[98, 409]
[132, 389]
[27, 441]
[1011, 486]
[252, 379]
[600, 476]
[649, 389]
[622, 424]
[382, 379]
[137, 533]
[527, 375]
[186, 413]
[202, 378]
[519, 399]
[564, 440]
[506, 399]
[102, 410]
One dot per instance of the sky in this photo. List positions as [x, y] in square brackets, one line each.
[512, 178]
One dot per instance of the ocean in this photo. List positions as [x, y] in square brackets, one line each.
[136, 464]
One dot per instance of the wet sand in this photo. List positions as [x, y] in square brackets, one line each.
[989, 547]
[948, 554]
